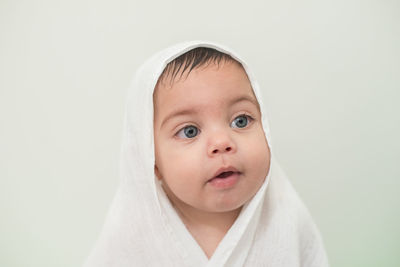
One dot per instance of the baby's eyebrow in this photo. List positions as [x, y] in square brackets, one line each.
[245, 98]
[194, 110]
[182, 112]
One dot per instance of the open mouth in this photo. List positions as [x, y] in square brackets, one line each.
[225, 174]
[225, 179]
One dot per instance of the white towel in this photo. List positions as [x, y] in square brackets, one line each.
[142, 228]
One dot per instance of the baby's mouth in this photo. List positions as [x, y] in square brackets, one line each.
[223, 173]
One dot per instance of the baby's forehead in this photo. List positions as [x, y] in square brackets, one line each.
[195, 91]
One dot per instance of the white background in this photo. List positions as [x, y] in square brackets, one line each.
[330, 75]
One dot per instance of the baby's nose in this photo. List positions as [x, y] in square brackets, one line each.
[221, 143]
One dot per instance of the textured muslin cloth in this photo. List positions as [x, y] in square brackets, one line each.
[142, 228]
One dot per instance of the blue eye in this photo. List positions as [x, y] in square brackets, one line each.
[240, 121]
[189, 132]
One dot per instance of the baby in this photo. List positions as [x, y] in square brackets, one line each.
[211, 153]
[200, 185]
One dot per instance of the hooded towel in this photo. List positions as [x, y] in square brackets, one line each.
[142, 228]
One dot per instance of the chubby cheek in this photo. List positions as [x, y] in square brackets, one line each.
[179, 162]
[258, 157]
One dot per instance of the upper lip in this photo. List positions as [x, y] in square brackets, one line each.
[224, 169]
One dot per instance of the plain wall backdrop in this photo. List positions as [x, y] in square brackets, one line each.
[330, 75]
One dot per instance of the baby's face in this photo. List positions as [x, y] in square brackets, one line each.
[205, 124]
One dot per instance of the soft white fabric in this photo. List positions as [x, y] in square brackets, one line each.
[142, 228]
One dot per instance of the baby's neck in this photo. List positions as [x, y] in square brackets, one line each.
[208, 228]
[216, 220]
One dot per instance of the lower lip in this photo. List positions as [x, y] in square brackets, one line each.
[226, 182]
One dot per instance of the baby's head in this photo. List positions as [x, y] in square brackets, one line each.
[211, 153]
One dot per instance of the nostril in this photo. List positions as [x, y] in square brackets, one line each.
[226, 149]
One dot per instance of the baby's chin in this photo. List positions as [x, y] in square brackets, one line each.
[226, 207]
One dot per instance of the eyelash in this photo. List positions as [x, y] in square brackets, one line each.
[249, 118]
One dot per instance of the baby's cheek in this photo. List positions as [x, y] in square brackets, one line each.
[184, 157]
[257, 150]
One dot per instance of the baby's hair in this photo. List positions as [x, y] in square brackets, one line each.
[195, 58]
